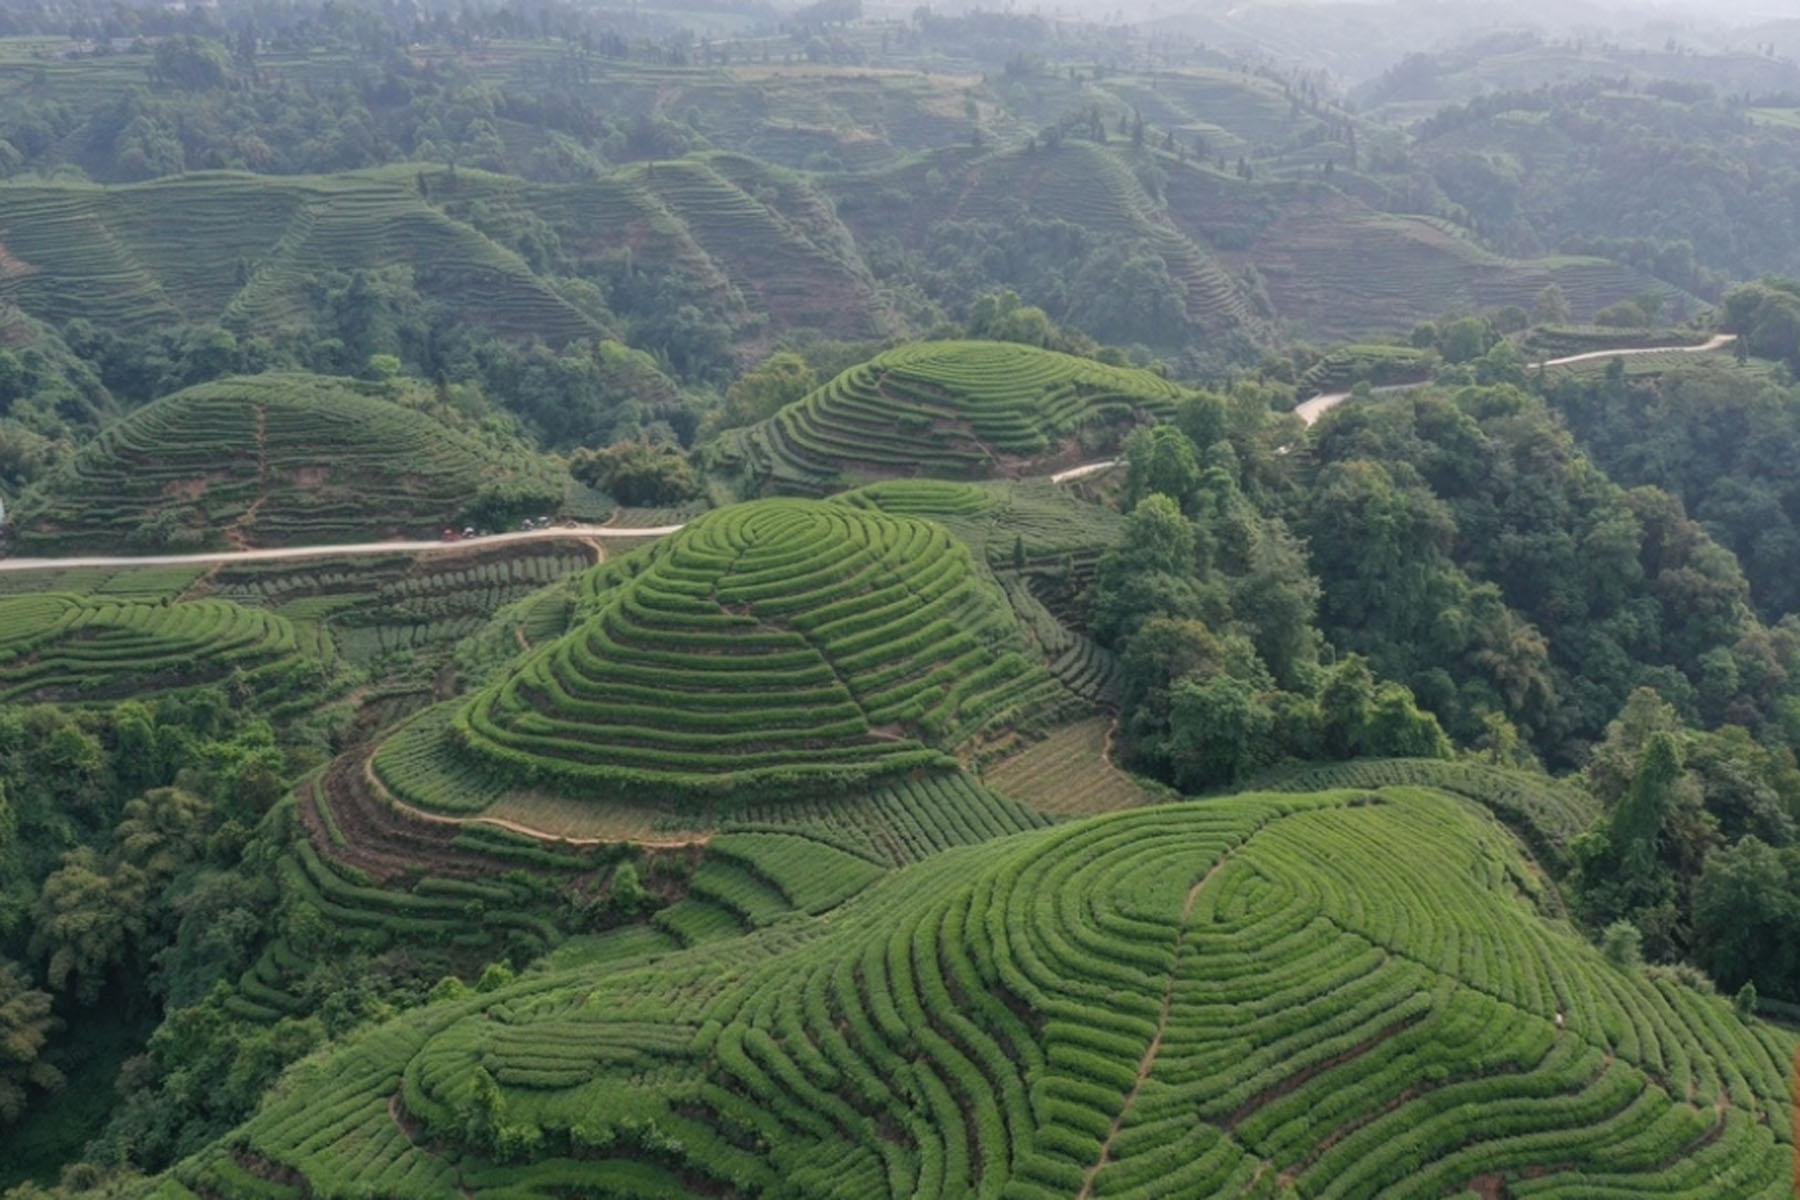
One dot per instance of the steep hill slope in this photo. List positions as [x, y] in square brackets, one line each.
[776, 647]
[1254, 996]
[276, 459]
[955, 409]
[224, 246]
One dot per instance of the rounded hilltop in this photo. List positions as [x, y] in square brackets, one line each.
[949, 409]
[284, 458]
[774, 647]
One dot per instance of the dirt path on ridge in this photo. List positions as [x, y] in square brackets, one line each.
[1146, 1063]
[344, 549]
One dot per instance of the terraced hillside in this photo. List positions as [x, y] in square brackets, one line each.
[271, 460]
[1337, 994]
[222, 246]
[753, 246]
[783, 113]
[775, 647]
[58, 646]
[951, 409]
[1337, 270]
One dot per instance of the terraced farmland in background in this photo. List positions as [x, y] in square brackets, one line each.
[1321, 995]
[1338, 271]
[1379, 365]
[270, 460]
[1654, 362]
[955, 409]
[224, 246]
[754, 247]
[775, 647]
[57, 646]
[1100, 190]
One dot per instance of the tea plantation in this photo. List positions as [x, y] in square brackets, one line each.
[779, 646]
[56, 646]
[272, 460]
[1329, 994]
[956, 409]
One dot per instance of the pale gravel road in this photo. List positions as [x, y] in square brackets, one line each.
[280, 553]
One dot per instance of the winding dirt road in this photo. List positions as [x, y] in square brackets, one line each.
[357, 549]
[1085, 469]
[1310, 411]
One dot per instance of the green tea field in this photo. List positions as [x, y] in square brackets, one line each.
[947, 409]
[1342, 993]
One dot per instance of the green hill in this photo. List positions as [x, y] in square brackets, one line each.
[57, 646]
[955, 409]
[1339, 994]
[222, 246]
[277, 459]
[774, 647]
[753, 246]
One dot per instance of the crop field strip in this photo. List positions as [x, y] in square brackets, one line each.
[1655, 362]
[950, 409]
[269, 459]
[998, 516]
[1562, 341]
[1546, 814]
[1379, 365]
[1249, 996]
[1067, 773]
[94, 648]
[126, 583]
[904, 822]
[779, 645]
